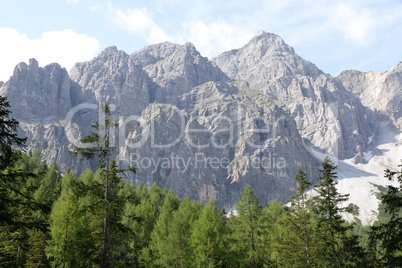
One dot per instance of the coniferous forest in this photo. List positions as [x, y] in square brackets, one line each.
[49, 219]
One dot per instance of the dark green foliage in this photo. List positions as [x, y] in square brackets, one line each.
[245, 229]
[299, 247]
[385, 237]
[22, 214]
[210, 248]
[113, 205]
[337, 246]
[160, 246]
[8, 136]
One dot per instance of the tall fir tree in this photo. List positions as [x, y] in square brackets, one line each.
[161, 251]
[101, 148]
[11, 179]
[245, 228]
[385, 238]
[338, 248]
[28, 214]
[208, 237]
[299, 247]
[71, 244]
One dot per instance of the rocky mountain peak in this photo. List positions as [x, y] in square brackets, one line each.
[111, 77]
[154, 53]
[22, 67]
[268, 41]
[190, 48]
[397, 67]
[108, 61]
[33, 63]
[258, 104]
[39, 93]
[111, 54]
[268, 64]
[265, 57]
[380, 92]
[175, 69]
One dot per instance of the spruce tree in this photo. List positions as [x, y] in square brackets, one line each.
[299, 246]
[385, 238]
[11, 179]
[71, 244]
[208, 237]
[179, 236]
[161, 251]
[101, 148]
[272, 234]
[338, 247]
[245, 228]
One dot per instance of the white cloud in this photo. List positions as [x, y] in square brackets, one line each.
[64, 47]
[139, 21]
[71, 1]
[356, 24]
[215, 37]
[333, 34]
[210, 38]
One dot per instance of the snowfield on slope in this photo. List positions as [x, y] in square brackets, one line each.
[360, 180]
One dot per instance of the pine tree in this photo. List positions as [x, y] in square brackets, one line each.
[338, 247]
[27, 214]
[385, 238]
[208, 237]
[161, 250]
[102, 149]
[180, 232]
[272, 234]
[50, 186]
[11, 179]
[119, 233]
[245, 228]
[8, 136]
[72, 244]
[299, 246]
[36, 253]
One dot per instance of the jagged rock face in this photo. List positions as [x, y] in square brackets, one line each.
[111, 78]
[51, 139]
[215, 142]
[381, 92]
[327, 116]
[265, 58]
[38, 94]
[174, 70]
[204, 128]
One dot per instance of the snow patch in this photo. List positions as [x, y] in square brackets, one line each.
[360, 180]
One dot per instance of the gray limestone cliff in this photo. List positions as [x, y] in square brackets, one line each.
[379, 92]
[328, 117]
[206, 128]
[174, 70]
[38, 94]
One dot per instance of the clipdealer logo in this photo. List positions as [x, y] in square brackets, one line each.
[242, 126]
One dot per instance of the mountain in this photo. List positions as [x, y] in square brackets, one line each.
[328, 116]
[379, 92]
[206, 128]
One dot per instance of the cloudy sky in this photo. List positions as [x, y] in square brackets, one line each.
[333, 34]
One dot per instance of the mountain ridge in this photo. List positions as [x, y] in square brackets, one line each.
[261, 102]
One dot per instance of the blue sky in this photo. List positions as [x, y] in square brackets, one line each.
[364, 35]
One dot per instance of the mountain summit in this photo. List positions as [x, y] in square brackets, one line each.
[207, 128]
